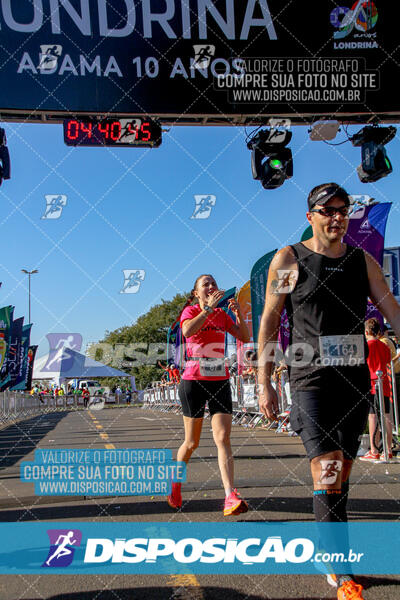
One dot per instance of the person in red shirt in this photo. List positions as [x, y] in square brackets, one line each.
[379, 358]
[206, 380]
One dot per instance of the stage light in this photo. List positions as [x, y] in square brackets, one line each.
[271, 161]
[375, 162]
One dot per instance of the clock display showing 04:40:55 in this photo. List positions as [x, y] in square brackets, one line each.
[123, 133]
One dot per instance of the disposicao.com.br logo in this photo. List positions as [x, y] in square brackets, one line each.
[191, 550]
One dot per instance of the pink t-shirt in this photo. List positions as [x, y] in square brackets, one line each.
[208, 342]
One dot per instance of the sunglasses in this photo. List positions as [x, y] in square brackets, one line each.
[331, 211]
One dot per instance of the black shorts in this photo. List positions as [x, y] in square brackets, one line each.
[194, 394]
[374, 401]
[328, 421]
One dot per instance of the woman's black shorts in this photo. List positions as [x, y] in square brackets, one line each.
[194, 394]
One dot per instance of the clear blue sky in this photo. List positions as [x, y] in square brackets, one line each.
[130, 209]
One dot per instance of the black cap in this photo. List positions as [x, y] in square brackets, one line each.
[323, 193]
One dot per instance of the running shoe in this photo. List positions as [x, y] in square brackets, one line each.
[349, 590]
[382, 456]
[175, 498]
[370, 456]
[234, 504]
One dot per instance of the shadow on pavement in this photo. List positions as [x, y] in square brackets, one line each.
[19, 439]
[271, 507]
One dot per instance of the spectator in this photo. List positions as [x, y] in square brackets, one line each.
[128, 396]
[378, 360]
[86, 396]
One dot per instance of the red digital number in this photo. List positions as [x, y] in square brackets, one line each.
[134, 130]
[146, 133]
[105, 129]
[115, 131]
[72, 125]
[87, 128]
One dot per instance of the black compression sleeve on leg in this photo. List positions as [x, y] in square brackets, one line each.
[326, 504]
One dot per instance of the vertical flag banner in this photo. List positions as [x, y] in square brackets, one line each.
[31, 361]
[20, 381]
[258, 283]
[6, 318]
[367, 226]
[230, 341]
[307, 234]
[244, 301]
[14, 352]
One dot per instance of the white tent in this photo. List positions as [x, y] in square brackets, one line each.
[69, 364]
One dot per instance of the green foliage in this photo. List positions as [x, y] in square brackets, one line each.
[152, 327]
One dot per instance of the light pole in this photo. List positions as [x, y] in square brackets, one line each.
[29, 273]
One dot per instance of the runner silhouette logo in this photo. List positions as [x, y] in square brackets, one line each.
[62, 547]
[54, 206]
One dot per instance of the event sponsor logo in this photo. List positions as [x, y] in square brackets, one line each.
[365, 226]
[203, 205]
[62, 547]
[355, 25]
[61, 345]
[132, 280]
[54, 206]
[179, 20]
[51, 61]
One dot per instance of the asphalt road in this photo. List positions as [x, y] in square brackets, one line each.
[272, 473]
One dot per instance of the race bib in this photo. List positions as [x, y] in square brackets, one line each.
[342, 350]
[212, 367]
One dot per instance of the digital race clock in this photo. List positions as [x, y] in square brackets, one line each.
[120, 133]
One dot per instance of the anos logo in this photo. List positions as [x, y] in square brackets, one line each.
[359, 20]
[61, 552]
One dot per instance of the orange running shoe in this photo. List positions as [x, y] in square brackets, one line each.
[350, 590]
[234, 504]
[175, 498]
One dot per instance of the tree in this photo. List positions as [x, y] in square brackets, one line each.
[137, 348]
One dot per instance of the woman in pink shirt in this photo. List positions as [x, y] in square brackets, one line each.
[206, 379]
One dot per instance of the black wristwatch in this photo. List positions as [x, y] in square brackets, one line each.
[208, 309]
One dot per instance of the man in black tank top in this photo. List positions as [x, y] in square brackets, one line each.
[324, 285]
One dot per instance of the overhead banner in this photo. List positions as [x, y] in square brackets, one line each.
[258, 284]
[200, 57]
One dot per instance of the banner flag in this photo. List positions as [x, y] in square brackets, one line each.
[244, 301]
[14, 352]
[367, 226]
[20, 381]
[258, 284]
[6, 318]
[31, 361]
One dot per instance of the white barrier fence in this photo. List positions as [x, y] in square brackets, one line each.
[15, 406]
[244, 402]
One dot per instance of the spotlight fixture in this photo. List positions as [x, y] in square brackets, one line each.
[375, 163]
[271, 161]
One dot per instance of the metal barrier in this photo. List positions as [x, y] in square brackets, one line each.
[16, 406]
[395, 400]
[244, 403]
